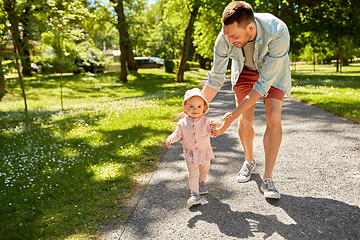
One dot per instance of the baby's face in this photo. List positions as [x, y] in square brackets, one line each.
[195, 107]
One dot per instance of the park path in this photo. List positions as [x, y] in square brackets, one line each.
[317, 173]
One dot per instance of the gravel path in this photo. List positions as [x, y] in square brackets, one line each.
[317, 173]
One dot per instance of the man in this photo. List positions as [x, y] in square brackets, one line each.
[258, 44]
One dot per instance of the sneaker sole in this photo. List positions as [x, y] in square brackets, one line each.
[193, 203]
[242, 180]
[202, 193]
[272, 195]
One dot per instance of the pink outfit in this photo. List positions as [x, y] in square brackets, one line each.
[195, 135]
[197, 173]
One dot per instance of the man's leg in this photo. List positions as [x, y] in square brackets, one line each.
[246, 132]
[273, 134]
[272, 140]
[246, 135]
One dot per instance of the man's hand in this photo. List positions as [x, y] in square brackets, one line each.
[180, 115]
[168, 143]
[228, 119]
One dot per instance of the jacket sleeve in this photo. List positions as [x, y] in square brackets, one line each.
[276, 63]
[177, 134]
[220, 62]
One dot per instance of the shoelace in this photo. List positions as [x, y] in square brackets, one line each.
[196, 196]
[270, 184]
[247, 168]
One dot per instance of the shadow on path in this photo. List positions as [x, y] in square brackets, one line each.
[314, 218]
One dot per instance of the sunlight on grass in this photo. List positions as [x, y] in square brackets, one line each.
[74, 169]
[107, 171]
[334, 92]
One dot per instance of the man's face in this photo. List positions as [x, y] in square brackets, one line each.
[237, 35]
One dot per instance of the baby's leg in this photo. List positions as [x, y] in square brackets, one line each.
[193, 170]
[203, 171]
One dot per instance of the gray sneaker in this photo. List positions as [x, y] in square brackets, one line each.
[245, 171]
[202, 188]
[268, 187]
[194, 199]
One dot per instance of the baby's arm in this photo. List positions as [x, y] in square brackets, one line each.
[175, 136]
[213, 125]
[168, 142]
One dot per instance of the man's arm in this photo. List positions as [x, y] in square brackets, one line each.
[228, 118]
[209, 93]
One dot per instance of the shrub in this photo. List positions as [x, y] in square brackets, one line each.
[169, 65]
[187, 66]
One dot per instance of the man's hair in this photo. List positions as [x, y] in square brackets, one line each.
[238, 11]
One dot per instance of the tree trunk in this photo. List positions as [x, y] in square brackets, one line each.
[338, 60]
[127, 56]
[202, 62]
[25, 45]
[132, 65]
[2, 81]
[9, 6]
[314, 61]
[123, 73]
[187, 43]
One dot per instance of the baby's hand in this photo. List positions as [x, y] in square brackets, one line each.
[180, 115]
[213, 125]
[168, 143]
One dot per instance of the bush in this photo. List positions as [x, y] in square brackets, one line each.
[187, 66]
[194, 64]
[50, 66]
[169, 65]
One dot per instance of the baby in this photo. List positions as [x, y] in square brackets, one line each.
[195, 131]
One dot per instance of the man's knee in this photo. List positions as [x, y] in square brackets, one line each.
[245, 123]
[273, 117]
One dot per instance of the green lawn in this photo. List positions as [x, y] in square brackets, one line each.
[75, 169]
[335, 92]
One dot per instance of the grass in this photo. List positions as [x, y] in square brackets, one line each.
[338, 93]
[75, 169]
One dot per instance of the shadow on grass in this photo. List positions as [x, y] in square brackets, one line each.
[142, 83]
[326, 80]
[55, 184]
[75, 184]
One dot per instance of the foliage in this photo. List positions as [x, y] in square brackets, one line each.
[205, 34]
[333, 20]
[74, 170]
[169, 65]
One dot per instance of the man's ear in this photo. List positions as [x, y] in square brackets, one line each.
[250, 27]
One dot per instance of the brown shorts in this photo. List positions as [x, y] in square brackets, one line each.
[245, 83]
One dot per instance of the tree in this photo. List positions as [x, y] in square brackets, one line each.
[21, 15]
[3, 43]
[9, 6]
[165, 26]
[204, 33]
[187, 41]
[127, 56]
[337, 21]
